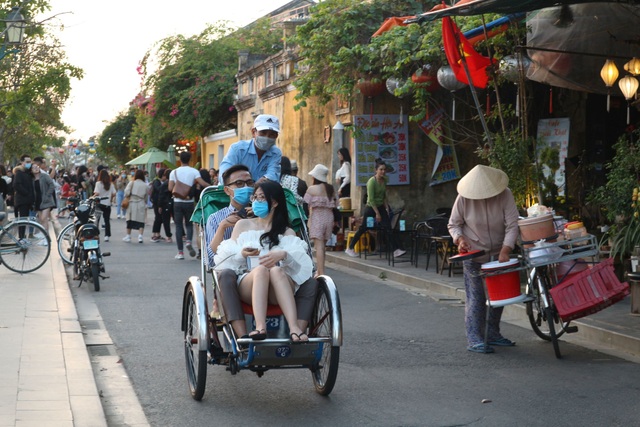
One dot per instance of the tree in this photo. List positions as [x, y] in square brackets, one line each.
[114, 141]
[36, 83]
[192, 92]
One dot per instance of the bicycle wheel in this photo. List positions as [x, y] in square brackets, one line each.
[543, 317]
[196, 359]
[27, 254]
[325, 372]
[66, 239]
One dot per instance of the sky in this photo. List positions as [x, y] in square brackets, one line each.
[107, 39]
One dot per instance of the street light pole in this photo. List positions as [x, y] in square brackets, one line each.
[14, 31]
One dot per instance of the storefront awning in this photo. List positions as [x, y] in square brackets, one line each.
[479, 7]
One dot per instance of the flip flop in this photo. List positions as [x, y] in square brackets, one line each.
[260, 334]
[480, 348]
[502, 342]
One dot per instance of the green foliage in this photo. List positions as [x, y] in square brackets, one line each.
[114, 142]
[514, 155]
[36, 85]
[623, 174]
[192, 91]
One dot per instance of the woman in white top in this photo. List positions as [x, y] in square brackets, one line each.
[106, 190]
[283, 263]
[343, 175]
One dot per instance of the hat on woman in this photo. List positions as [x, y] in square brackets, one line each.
[320, 172]
[482, 182]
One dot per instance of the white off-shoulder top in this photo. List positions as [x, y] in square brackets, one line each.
[298, 264]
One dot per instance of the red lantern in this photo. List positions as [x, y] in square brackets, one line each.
[371, 89]
[427, 81]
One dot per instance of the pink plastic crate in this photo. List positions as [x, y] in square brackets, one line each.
[589, 291]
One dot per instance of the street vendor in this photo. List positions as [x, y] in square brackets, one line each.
[484, 217]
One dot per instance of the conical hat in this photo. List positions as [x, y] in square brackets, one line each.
[482, 182]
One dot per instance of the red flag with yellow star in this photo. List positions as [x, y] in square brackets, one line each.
[456, 45]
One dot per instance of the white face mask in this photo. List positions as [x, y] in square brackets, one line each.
[264, 142]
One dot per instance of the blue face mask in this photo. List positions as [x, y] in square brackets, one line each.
[242, 195]
[27, 166]
[260, 208]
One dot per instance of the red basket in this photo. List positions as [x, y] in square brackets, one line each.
[589, 291]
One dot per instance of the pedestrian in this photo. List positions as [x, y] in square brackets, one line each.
[260, 153]
[121, 184]
[294, 168]
[484, 217]
[213, 176]
[157, 213]
[291, 182]
[137, 211]
[183, 206]
[24, 196]
[4, 191]
[106, 192]
[343, 175]
[378, 208]
[322, 201]
[44, 190]
[165, 205]
[197, 190]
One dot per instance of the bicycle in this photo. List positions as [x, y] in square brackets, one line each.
[26, 254]
[66, 237]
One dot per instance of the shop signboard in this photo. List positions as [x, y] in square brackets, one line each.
[555, 133]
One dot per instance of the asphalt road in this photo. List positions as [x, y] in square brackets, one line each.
[403, 362]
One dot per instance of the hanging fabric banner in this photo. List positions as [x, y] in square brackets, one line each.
[383, 136]
[445, 165]
[555, 133]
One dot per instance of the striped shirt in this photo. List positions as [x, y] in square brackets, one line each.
[212, 226]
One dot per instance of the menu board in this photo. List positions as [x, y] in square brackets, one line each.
[384, 136]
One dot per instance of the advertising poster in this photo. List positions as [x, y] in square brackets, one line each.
[445, 165]
[382, 136]
[555, 133]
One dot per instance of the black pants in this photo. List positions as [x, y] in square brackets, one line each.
[106, 217]
[182, 215]
[157, 220]
[385, 222]
[22, 211]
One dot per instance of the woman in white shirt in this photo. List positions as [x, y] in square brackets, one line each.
[343, 175]
[283, 263]
[106, 190]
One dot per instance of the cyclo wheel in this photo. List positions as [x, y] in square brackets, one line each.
[544, 321]
[325, 372]
[66, 240]
[27, 254]
[195, 358]
[95, 275]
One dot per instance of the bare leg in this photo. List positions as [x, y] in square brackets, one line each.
[283, 292]
[319, 245]
[254, 289]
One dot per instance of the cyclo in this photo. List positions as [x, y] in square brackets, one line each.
[209, 338]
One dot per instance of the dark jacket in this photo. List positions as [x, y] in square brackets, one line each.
[164, 195]
[155, 190]
[24, 192]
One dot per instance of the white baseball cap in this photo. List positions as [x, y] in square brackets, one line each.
[266, 122]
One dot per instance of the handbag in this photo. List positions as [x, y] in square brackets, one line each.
[181, 190]
[125, 202]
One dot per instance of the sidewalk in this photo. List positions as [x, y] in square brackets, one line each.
[45, 376]
[613, 330]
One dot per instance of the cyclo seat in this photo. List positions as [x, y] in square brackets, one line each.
[272, 310]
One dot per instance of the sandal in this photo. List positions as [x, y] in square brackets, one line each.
[502, 342]
[299, 337]
[259, 335]
[480, 348]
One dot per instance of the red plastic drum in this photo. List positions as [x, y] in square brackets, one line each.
[503, 288]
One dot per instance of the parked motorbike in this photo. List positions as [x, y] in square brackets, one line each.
[87, 258]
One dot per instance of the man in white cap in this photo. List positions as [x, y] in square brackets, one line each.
[260, 153]
[484, 217]
[294, 168]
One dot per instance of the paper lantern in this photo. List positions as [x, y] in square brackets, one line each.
[61, 150]
[370, 89]
[629, 87]
[77, 151]
[448, 80]
[426, 78]
[609, 74]
[92, 150]
[509, 67]
[633, 66]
